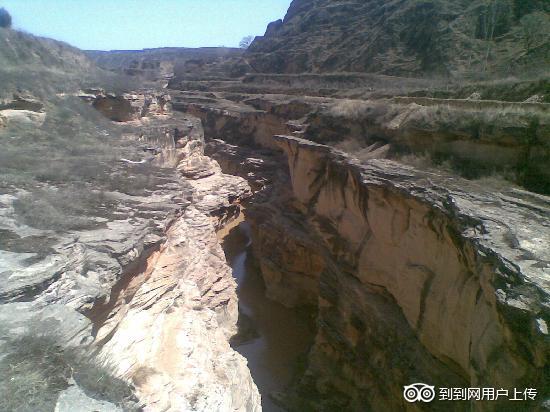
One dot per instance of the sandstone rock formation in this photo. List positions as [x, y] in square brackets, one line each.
[21, 109]
[127, 107]
[153, 283]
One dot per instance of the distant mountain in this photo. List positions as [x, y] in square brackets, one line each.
[406, 37]
[164, 63]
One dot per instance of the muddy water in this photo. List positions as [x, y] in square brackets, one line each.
[274, 339]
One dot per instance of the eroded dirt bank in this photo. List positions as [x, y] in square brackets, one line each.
[474, 138]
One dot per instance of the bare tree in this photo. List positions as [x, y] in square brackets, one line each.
[246, 42]
[536, 30]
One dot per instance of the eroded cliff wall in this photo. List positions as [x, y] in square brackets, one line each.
[423, 281]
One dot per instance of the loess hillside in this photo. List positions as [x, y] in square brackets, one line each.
[44, 67]
[407, 37]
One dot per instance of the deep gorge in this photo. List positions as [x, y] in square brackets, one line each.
[270, 271]
[388, 259]
[274, 339]
[180, 232]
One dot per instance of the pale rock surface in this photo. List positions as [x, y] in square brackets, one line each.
[158, 296]
[74, 399]
[179, 358]
[22, 110]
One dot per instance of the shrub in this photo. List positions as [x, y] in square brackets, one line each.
[246, 42]
[5, 18]
[35, 369]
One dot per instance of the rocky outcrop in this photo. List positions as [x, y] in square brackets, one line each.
[128, 106]
[22, 110]
[235, 122]
[185, 304]
[183, 297]
[74, 398]
[422, 280]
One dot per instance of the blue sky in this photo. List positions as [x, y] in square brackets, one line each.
[137, 24]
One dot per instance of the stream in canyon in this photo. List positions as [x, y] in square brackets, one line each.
[273, 338]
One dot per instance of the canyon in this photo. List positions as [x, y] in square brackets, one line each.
[227, 230]
[415, 276]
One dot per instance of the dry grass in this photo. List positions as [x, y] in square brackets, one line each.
[35, 369]
[361, 110]
[45, 67]
[444, 117]
[66, 168]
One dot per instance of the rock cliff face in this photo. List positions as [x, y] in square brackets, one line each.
[420, 280]
[183, 297]
[400, 37]
[147, 290]
[417, 276]
[476, 138]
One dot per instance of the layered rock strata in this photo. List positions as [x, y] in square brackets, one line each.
[474, 138]
[128, 106]
[417, 276]
[146, 291]
[424, 279]
[185, 303]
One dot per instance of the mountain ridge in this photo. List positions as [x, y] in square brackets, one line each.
[399, 37]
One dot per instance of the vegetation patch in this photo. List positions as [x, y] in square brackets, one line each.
[66, 169]
[35, 370]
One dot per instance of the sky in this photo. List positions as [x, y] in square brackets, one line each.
[138, 24]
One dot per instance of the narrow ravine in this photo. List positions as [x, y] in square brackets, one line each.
[274, 339]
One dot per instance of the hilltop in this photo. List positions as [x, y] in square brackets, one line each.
[44, 67]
